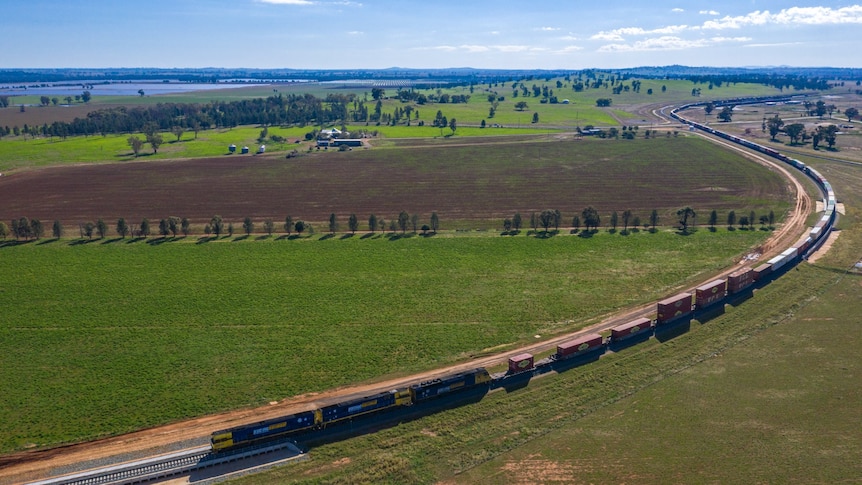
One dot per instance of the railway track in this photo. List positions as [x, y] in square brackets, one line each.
[169, 466]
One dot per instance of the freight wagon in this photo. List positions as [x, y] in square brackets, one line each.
[740, 280]
[579, 346]
[520, 363]
[673, 308]
[631, 329]
[710, 293]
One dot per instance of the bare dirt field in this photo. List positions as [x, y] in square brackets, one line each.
[463, 183]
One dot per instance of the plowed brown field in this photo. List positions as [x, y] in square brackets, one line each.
[463, 184]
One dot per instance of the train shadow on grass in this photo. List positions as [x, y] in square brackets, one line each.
[670, 331]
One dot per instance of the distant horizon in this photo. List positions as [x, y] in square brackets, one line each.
[337, 34]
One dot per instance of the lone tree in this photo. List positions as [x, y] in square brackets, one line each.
[135, 143]
[731, 219]
[333, 223]
[288, 225]
[122, 227]
[435, 222]
[713, 220]
[414, 222]
[591, 218]
[352, 223]
[247, 226]
[185, 226]
[372, 223]
[403, 219]
[774, 124]
[615, 219]
[726, 114]
[850, 113]
[627, 217]
[56, 230]
[547, 218]
[174, 225]
[684, 214]
[102, 228]
[516, 221]
[268, 226]
[4, 230]
[145, 227]
[217, 225]
[300, 227]
[155, 140]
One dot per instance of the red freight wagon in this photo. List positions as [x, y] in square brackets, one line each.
[740, 280]
[762, 271]
[520, 363]
[710, 293]
[630, 329]
[579, 345]
[673, 308]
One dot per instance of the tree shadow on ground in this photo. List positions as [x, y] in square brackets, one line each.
[686, 232]
[263, 237]
[428, 234]
[368, 235]
[79, 242]
[588, 234]
[9, 244]
[112, 241]
[47, 241]
[135, 239]
[241, 238]
[158, 241]
[326, 237]
[347, 236]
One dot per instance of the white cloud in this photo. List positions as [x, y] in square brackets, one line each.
[677, 10]
[709, 12]
[548, 29]
[474, 48]
[607, 36]
[616, 35]
[669, 43]
[570, 48]
[568, 38]
[356, 32]
[791, 16]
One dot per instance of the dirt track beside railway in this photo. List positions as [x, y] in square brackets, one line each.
[34, 465]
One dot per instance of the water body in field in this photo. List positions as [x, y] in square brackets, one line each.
[125, 88]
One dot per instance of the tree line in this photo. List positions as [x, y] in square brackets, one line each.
[591, 220]
[30, 229]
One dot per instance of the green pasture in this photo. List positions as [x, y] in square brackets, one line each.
[766, 393]
[117, 335]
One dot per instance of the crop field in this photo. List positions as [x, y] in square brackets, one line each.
[766, 393]
[472, 186]
[119, 336]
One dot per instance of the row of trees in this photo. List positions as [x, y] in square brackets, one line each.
[590, 219]
[24, 228]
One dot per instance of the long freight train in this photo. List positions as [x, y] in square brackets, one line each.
[669, 311]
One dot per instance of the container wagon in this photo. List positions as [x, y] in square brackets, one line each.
[740, 280]
[673, 308]
[579, 346]
[520, 363]
[762, 271]
[630, 329]
[710, 293]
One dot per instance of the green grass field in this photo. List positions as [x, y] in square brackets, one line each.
[766, 393]
[118, 336]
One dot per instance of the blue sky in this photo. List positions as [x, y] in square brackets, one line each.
[324, 34]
